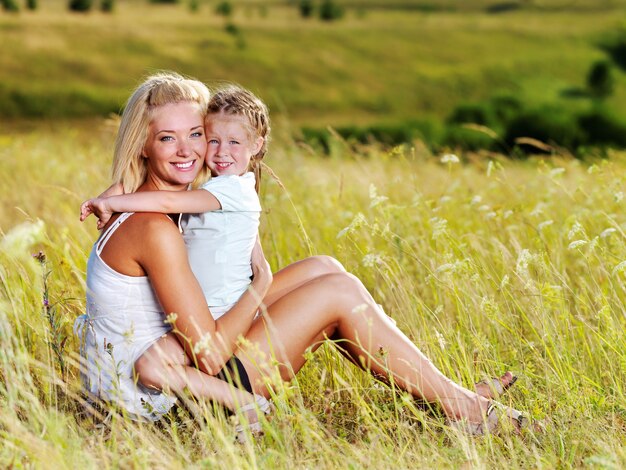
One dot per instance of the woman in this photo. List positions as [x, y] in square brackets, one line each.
[139, 269]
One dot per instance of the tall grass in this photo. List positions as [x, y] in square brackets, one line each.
[487, 265]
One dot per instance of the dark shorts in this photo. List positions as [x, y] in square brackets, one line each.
[235, 373]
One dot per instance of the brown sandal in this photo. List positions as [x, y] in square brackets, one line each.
[492, 421]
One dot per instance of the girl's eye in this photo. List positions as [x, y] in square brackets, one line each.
[166, 138]
[213, 141]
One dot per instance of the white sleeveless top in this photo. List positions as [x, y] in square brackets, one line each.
[123, 319]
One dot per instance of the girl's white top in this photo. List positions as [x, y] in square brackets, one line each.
[123, 319]
[220, 243]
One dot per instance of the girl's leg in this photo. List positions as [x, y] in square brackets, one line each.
[338, 305]
[301, 272]
[166, 366]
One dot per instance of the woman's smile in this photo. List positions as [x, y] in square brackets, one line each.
[176, 145]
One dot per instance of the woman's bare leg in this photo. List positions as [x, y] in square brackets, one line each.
[166, 366]
[338, 305]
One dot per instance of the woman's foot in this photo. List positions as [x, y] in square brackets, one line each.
[496, 386]
[250, 414]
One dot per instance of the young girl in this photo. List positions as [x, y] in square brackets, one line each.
[221, 220]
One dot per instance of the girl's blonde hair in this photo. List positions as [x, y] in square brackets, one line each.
[233, 100]
[129, 167]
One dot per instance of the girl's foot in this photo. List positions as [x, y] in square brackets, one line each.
[492, 421]
[496, 386]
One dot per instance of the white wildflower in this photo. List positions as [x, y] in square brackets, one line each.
[507, 214]
[577, 229]
[476, 200]
[441, 340]
[607, 232]
[450, 158]
[20, 238]
[544, 224]
[490, 215]
[484, 208]
[439, 226]
[445, 268]
[618, 196]
[576, 244]
[444, 199]
[371, 259]
[538, 209]
[375, 199]
[358, 221]
[619, 268]
[523, 259]
[504, 282]
[556, 171]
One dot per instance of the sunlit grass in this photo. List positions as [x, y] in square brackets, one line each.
[488, 265]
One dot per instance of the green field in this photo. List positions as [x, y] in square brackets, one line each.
[375, 65]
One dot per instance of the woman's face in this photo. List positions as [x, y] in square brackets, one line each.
[175, 147]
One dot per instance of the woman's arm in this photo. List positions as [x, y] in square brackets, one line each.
[163, 256]
[167, 202]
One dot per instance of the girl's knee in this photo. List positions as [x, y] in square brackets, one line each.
[323, 264]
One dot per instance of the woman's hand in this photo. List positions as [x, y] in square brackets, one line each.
[99, 207]
[261, 271]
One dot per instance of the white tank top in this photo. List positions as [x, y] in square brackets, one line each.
[123, 319]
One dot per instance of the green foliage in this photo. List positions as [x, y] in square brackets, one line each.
[467, 138]
[602, 128]
[194, 5]
[600, 79]
[552, 125]
[224, 8]
[107, 6]
[10, 6]
[306, 8]
[31, 4]
[615, 46]
[330, 10]
[472, 113]
[171, 2]
[80, 5]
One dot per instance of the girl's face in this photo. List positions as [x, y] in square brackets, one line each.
[230, 145]
[176, 146]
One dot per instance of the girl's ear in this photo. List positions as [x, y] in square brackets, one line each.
[258, 145]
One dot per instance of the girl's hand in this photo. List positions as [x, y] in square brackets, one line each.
[261, 271]
[99, 207]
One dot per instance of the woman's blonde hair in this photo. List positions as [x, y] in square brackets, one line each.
[129, 167]
[233, 100]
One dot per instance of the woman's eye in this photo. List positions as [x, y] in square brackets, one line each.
[213, 141]
[197, 134]
[234, 142]
[166, 138]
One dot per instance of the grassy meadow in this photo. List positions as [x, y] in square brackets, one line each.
[487, 263]
[375, 65]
